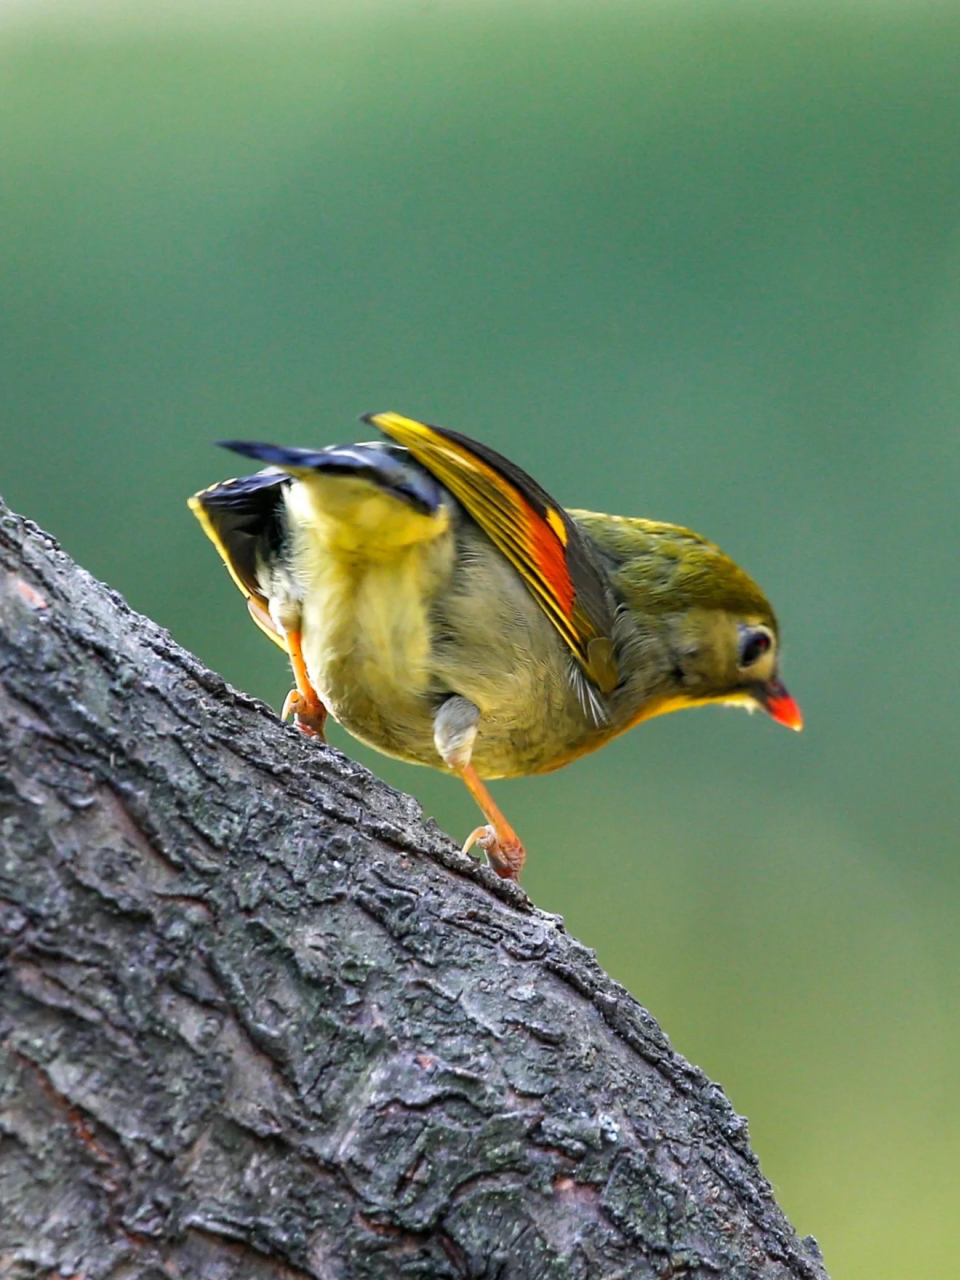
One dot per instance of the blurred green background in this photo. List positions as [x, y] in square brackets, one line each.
[697, 261]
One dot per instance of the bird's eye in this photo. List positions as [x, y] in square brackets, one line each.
[755, 644]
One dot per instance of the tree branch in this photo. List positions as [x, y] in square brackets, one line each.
[257, 1019]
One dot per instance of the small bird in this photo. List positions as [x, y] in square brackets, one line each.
[449, 612]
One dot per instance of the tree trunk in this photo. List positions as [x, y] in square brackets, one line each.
[257, 1019]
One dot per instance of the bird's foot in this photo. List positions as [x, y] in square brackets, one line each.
[506, 856]
[309, 713]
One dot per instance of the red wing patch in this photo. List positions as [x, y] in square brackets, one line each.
[536, 535]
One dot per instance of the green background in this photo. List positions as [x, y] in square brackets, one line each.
[696, 261]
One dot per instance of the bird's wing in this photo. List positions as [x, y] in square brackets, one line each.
[243, 518]
[534, 532]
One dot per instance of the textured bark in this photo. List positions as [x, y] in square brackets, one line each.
[258, 1019]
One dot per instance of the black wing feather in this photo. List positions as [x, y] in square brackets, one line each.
[390, 467]
[245, 519]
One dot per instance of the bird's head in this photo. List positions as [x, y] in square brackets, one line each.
[713, 627]
[730, 656]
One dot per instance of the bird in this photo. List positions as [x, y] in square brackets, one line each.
[447, 611]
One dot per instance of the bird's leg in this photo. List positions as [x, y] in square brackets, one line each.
[498, 839]
[303, 702]
[454, 731]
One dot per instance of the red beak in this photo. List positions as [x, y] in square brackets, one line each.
[775, 699]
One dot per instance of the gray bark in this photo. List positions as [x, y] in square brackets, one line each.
[258, 1019]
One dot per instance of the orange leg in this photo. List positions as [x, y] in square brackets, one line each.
[499, 841]
[303, 701]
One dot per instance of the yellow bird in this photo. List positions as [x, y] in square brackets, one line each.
[449, 612]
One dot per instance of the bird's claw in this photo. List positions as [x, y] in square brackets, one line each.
[309, 714]
[506, 857]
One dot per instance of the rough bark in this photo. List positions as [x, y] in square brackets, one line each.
[258, 1019]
